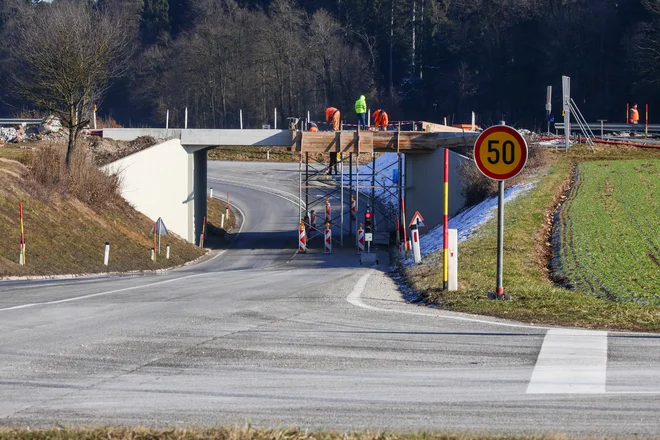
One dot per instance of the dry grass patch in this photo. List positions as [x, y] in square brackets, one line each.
[248, 433]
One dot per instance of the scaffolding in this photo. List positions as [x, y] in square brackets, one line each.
[371, 180]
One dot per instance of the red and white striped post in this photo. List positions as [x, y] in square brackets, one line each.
[328, 210]
[302, 238]
[360, 240]
[328, 239]
[22, 259]
[353, 208]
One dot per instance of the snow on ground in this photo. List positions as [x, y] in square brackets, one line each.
[555, 143]
[467, 222]
[386, 168]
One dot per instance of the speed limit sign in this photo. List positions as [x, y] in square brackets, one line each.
[500, 152]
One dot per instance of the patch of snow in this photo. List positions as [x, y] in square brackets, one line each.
[467, 222]
[554, 143]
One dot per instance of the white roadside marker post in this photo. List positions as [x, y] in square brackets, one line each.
[167, 252]
[106, 256]
[417, 253]
[453, 260]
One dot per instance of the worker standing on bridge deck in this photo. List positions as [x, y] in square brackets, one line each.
[332, 116]
[634, 115]
[381, 120]
[361, 110]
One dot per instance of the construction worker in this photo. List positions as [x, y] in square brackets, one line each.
[380, 120]
[311, 126]
[634, 115]
[332, 116]
[361, 110]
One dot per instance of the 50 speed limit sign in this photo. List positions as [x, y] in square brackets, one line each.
[500, 152]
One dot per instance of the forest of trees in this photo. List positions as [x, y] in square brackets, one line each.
[418, 59]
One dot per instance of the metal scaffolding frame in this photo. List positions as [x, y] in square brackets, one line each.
[371, 184]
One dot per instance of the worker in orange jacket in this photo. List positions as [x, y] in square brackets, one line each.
[311, 126]
[332, 117]
[634, 115]
[380, 120]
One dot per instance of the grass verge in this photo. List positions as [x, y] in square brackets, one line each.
[535, 299]
[607, 234]
[247, 433]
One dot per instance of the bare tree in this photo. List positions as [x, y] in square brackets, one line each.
[69, 53]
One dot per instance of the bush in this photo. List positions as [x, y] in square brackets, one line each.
[84, 180]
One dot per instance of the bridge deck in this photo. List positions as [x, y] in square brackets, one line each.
[318, 142]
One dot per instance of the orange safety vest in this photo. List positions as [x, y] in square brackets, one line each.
[329, 113]
[376, 115]
[634, 115]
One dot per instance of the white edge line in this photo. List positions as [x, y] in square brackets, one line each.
[92, 295]
[355, 299]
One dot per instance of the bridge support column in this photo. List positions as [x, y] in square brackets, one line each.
[200, 171]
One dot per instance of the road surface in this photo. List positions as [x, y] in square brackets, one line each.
[260, 334]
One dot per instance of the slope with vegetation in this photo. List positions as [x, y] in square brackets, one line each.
[535, 298]
[69, 215]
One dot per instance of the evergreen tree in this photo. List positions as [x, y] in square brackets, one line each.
[155, 21]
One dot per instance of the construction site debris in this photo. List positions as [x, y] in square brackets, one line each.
[51, 124]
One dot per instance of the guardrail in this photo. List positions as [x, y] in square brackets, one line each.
[18, 121]
[597, 127]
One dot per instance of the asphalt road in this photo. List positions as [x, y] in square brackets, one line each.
[257, 333]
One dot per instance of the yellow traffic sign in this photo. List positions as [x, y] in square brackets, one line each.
[500, 152]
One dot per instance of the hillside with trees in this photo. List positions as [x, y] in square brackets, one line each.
[419, 59]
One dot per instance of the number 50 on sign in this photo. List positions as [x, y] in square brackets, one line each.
[500, 152]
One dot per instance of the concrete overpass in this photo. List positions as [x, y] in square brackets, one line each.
[169, 180]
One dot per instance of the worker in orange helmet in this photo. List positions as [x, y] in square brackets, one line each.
[380, 120]
[332, 116]
[634, 115]
[311, 126]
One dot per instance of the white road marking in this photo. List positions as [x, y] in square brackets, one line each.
[355, 299]
[571, 362]
[92, 295]
[354, 296]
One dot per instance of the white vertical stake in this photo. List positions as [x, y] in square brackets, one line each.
[473, 121]
[152, 255]
[275, 121]
[94, 116]
[106, 256]
[20, 256]
[222, 221]
[308, 118]
[185, 122]
[268, 154]
[240, 112]
[417, 253]
[167, 252]
[452, 284]
[369, 118]
[211, 195]
[167, 119]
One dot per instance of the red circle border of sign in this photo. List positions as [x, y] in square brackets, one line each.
[494, 129]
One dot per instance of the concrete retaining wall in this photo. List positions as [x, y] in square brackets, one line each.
[424, 186]
[158, 182]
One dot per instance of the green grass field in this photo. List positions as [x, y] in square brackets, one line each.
[609, 231]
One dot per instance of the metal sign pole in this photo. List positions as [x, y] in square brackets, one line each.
[500, 239]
